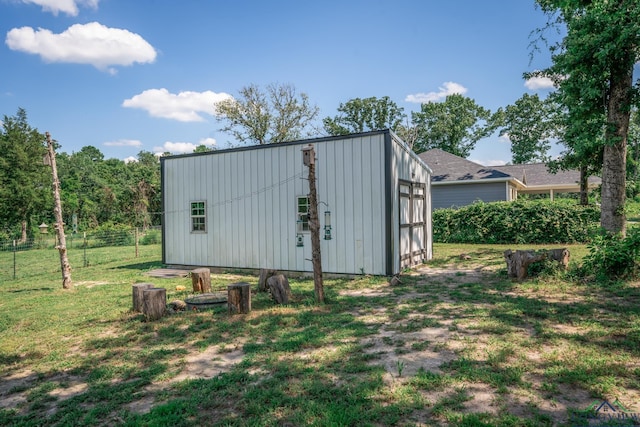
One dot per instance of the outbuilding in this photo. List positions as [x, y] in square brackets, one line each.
[247, 207]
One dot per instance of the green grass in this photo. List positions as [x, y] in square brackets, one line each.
[511, 354]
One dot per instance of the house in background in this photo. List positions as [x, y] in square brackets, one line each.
[247, 207]
[459, 182]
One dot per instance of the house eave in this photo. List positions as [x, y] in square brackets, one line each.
[513, 181]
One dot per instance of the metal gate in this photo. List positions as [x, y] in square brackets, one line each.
[413, 223]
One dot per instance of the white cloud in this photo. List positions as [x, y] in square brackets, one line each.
[184, 106]
[130, 159]
[91, 43]
[70, 7]
[504, 138]
[492, 162]
[536, 83]
[175, 148]
[124, 143]
[447, 88]
[209, 142]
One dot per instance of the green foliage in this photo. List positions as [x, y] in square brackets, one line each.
[454, 125]
[612, 257]
[110, 234]
[365, 114]
[529, 124]
[25, 183]
[100, 191]
[151, 237]
[538, 221]
[259, 117]
[593, 68]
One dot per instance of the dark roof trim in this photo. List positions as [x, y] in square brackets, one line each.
[281, 144]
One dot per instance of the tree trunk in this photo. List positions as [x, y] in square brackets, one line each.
[201, 280]
[279, 289]
[518, 261]
[57, 211]
[314, 228]
[614, 162]
[265, 274]
[584, 186]
[239, 298]
[154, 303]
[138, 298]
[23, 232]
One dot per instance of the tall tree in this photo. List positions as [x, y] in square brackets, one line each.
[454, 125]
[593, 65]
[258, 117]
[530, 125]
[365, 114]
[25, 183]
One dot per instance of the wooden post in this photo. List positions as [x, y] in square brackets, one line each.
[154, 303]
[137, 295]
[239, 298]
[309, 156]
[201, 280]
[57, 211]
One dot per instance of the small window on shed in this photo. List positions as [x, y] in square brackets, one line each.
[198, 217]
[302, 224]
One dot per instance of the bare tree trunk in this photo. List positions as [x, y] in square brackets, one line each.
[614, 163]
[23, 232]
[57, 211]
[314, 228]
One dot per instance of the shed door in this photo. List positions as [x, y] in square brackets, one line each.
[413, 224]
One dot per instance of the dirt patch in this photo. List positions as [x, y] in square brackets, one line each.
[209, 363]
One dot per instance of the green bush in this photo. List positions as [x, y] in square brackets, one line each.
[532, 222]
[151, 237]
[110, 234]
[612, 257]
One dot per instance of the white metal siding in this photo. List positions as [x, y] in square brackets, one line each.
[251, 206]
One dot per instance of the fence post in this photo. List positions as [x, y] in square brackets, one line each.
[14, 259]
[84, 237]
[136, 242]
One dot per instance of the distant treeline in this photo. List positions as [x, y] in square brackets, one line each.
[94, 191]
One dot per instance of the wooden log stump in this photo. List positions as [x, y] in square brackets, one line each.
[154, 303]
[519, 261]
[265, 274]
[279, 288]
[239, 298]
[201, 280]
[137, 295]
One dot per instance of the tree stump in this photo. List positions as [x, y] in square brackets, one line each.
[137, 295]
[239, 298]
[265, 273]
[519, 261]
[201, 280]
[279, 288]
[154, 303]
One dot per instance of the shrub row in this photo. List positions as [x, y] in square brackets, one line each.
[534, 221]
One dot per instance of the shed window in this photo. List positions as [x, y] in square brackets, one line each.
[198, 217]
[303, 214]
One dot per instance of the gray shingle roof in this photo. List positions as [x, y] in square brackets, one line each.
[536, 174]
[449, 167]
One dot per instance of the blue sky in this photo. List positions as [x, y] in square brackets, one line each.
[126, 76]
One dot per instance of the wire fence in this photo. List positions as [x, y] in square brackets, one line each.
[23, 259]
